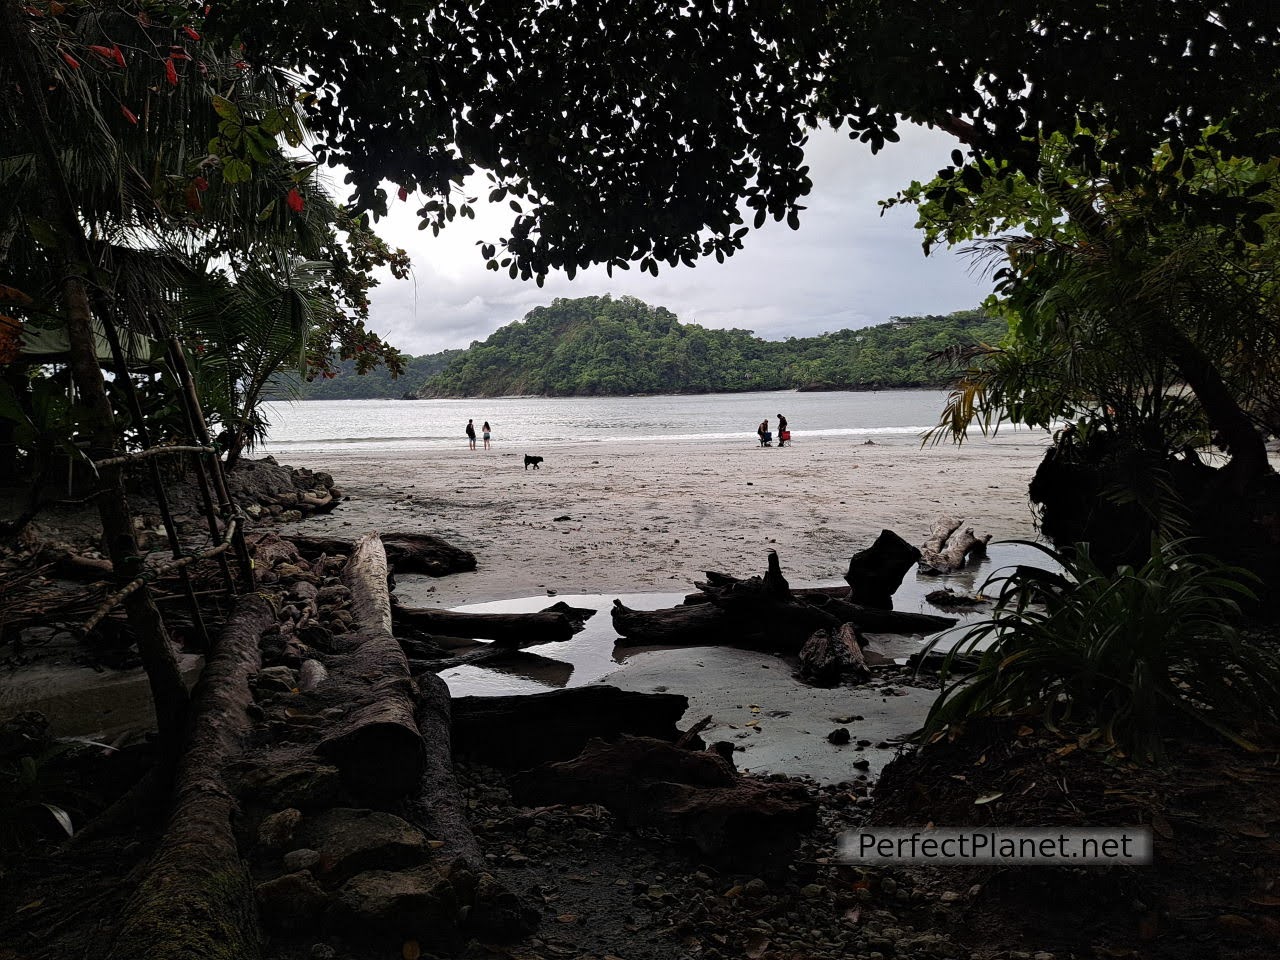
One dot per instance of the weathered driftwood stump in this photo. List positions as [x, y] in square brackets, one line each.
[692, 794]
[947, 551]
[196, 898]
[517, 732]
[876, 573]
[828, 658]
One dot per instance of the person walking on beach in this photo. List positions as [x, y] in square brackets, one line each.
[783, 435]
[471, 434]
[484, 432]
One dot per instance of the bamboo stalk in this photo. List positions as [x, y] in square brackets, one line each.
[149, 452]
[157, 571]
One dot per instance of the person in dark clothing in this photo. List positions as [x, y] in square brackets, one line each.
[783, 435]
[762, 432]
[471, 434]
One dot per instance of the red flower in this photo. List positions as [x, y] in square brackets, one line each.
[72, 62]
[128, 114]
[404, 193]
[108, 53]
[241, 65]
[201, 184]
[193, 198]
[295, 201]
[191, 33]
[116, 55]
[171, 72]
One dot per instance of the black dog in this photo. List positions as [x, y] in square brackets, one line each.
[531, 460]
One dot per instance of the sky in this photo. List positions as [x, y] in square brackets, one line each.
[846, 267]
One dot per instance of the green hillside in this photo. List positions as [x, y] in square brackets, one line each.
[377, 383]
[599, 346]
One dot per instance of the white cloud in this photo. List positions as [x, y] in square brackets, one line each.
[845, 267]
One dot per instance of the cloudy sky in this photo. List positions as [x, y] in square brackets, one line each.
[845, 267]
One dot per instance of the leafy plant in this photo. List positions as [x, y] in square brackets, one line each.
[1132, 653]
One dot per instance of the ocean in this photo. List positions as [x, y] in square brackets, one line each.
[371, 425]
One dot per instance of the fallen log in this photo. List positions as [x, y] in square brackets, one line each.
[829, 658]
[439, 810]
[196, 898]
[872, 620]
[517, 732]
[377, 747]
[696, 795]
[839, 593]
[517, 663]
[946, 552]
[512, 630]
[406, 552]
[876, 573]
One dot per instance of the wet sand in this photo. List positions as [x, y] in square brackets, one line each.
[631, 517]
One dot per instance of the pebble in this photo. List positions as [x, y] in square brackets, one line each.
[756, 888]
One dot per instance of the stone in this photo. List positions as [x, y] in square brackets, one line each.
[351, 841]
[756, 888]
[275, 832]
[306, 786]
[291, 903]
[406, 904]
[839, 736]
[280, 679]
[301, 859]
[302, 590]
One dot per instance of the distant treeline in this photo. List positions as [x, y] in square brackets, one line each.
[601, 346]
[377, 383]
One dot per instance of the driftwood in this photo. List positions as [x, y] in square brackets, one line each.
[693, 794]
[875, 573]
[516, 732]
[196, 897]
[760, 613]
[377, 747]
[512, 630]
[839, 593]
[520, 663]
[831, 657]
[946, 551]
[406, 552]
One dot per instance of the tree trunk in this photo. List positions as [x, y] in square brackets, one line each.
[406, 552]
[946, 551]
[196, 898]
[377, 747]
[512, 630]
[516, 732]
[828, 658]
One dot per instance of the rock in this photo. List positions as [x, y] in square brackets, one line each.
[316, 635]
[290, 516]
[351, 841]
[311, 675]
[292, 903]
[306, 786]
[756, 888]
[812, 890]
[302, 590]
[496, 912]
[406, 904]
[275, 832]
[278, 679]
[338, 593]
[301, 859]
[839, 736]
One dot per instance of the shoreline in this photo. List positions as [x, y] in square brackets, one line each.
[629, 517]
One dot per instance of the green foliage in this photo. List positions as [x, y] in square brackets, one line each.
[683, 114]
[1133, 653]
[344, 381]
[599, 346]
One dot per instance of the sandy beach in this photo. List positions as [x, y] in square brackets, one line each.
[624, 517]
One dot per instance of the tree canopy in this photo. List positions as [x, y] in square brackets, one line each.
[636, 133]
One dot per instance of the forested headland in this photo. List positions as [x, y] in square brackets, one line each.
[601, 346]
[348, 383]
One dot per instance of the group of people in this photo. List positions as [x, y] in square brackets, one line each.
[471, 434]
[766, 436]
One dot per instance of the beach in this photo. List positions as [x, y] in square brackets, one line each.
[632, 516]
